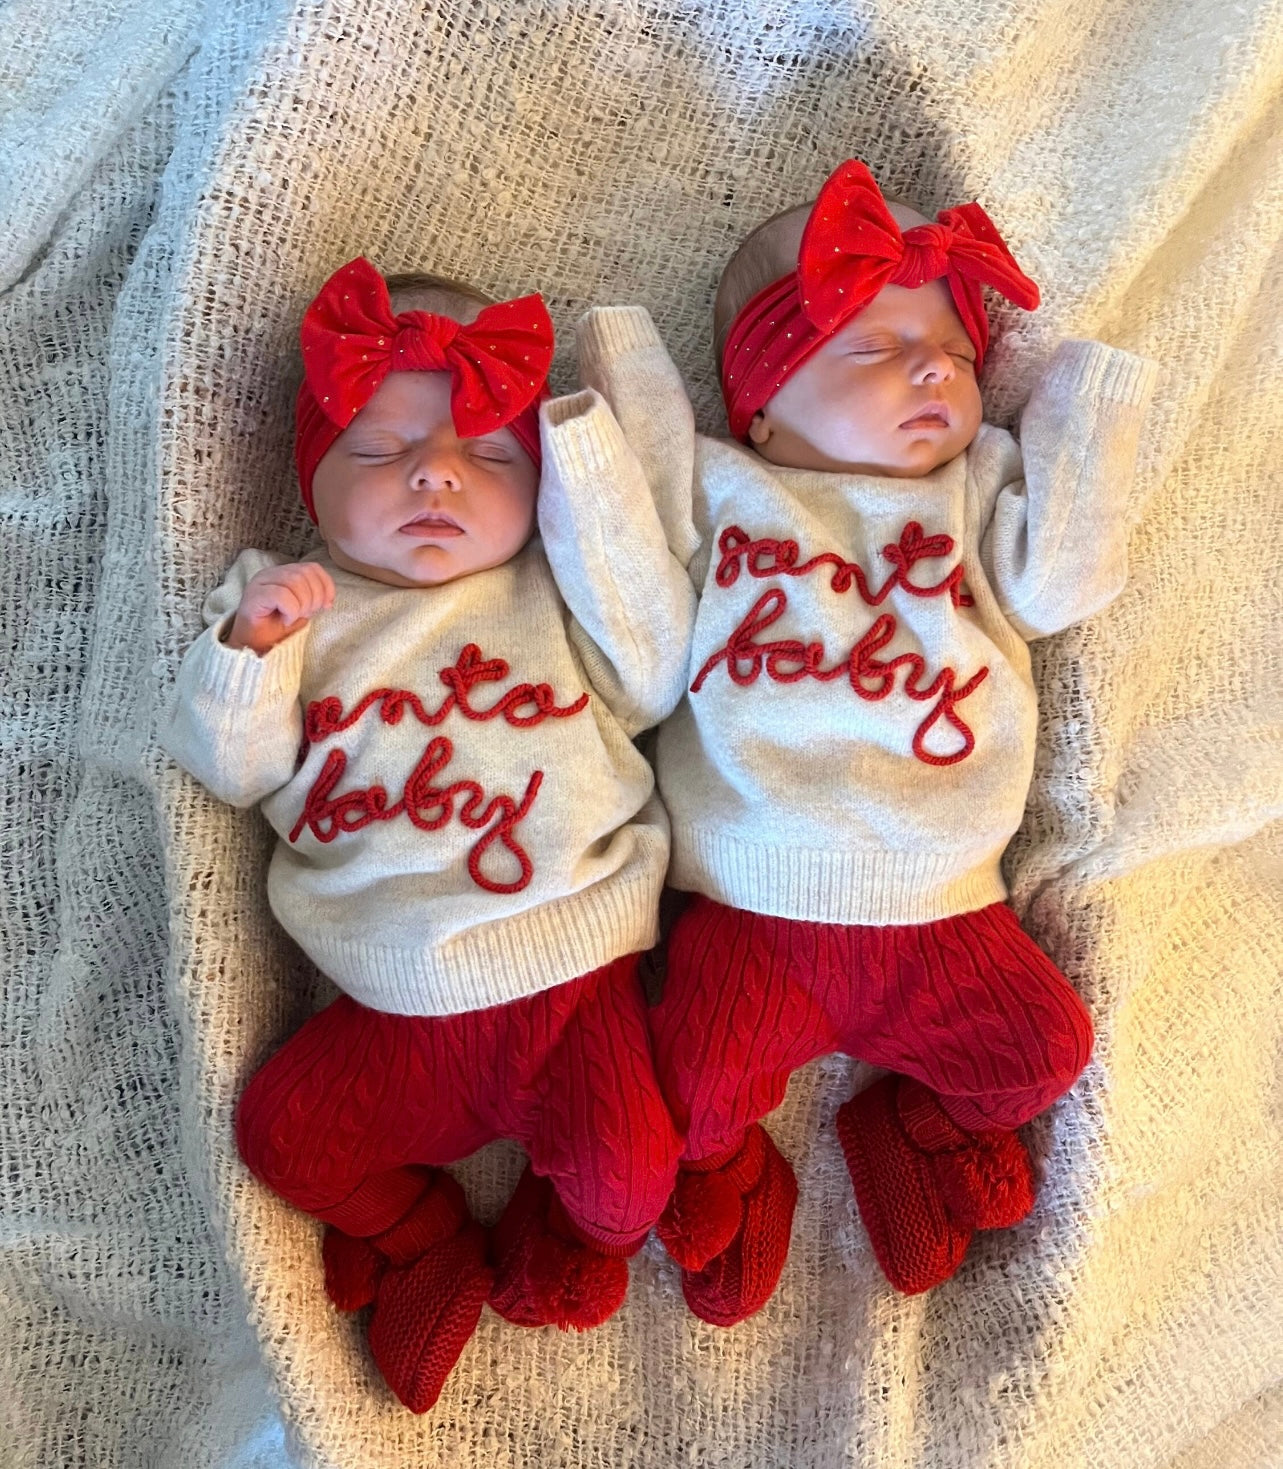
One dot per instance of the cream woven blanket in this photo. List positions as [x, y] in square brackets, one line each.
[175, 186]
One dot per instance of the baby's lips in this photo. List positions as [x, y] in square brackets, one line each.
[928, 413]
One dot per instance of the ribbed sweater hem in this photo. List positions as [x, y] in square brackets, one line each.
[497, 962]
[849, 887]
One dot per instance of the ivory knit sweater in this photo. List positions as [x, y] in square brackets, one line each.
[857, 735]
[463, 817]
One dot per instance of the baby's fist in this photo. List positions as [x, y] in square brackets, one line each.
[278, 601]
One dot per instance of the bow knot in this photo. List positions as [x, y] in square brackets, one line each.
[423, 340]
[926, 255]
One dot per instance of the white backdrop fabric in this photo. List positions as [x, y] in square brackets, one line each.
[175, 182]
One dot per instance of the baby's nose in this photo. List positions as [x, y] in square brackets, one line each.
[934, 365]
[436, 471]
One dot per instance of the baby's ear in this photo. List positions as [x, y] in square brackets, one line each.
[759, 431]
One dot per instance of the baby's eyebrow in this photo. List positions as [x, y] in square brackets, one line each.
[371, 437]
[879, 336]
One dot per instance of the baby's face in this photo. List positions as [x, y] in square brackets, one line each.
[893, 392]
[402, 499]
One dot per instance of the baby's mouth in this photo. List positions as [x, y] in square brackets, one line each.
[431, 525]
[934, 415]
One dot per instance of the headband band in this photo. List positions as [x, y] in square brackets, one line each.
[352, 339]
[851, 248]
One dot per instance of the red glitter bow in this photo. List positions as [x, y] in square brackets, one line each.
[352, 339]
[851, 248]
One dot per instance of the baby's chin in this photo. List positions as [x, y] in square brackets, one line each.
[419, 565]
[915, 466]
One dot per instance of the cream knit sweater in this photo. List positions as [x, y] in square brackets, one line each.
[463, 817]
[858, 731]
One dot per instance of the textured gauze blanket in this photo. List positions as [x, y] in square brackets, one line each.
[175, 183]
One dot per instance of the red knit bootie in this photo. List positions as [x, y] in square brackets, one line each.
[424, 1313]
[428, 1279]
[729, 1274]
[544, 1274]
[354, 1266]
[923, 1184]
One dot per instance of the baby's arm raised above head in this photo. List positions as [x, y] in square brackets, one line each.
[632, 602]
[1055, 545]
[622, 356]
[235, 721]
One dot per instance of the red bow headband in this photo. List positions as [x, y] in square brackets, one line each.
[352, 339]
[850, 249]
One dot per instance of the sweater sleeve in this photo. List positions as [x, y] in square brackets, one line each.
[235, 721]
[1055, 547]
[622, 357]
[632, 604]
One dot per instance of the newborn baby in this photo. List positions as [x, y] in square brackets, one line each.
[436, 711]
[857, 737]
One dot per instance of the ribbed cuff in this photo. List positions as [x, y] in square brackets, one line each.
[847, 887]
[492, 963]
[241, 677]
[580, 432]
[609, 331]
[1107, 372]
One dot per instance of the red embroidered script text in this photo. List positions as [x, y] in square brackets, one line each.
[789, 660]
[425, 803]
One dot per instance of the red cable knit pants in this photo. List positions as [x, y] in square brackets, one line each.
[969, 1005]
[333, 1119]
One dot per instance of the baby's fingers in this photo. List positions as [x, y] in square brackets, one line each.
[289, 602]
[321, 586]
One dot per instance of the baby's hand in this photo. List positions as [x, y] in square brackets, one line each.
[278, 601]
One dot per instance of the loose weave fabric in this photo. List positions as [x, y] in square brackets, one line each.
[177, 183]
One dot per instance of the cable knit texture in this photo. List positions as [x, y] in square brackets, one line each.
[968, 1005]
[179, 179]
[342, 1118]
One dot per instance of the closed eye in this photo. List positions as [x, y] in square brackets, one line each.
[371, 453]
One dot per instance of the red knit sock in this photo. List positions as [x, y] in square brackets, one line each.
[740, 1278]
[424, 1314]
[544, 1275]
[923, 1184]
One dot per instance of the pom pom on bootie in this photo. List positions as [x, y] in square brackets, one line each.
[923, 1184]
[353, 1269]
[755, 1193]
[544, 1274]
[706, 1209]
